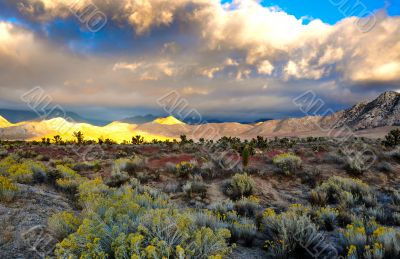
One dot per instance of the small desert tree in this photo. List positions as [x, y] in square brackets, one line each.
[79, 137]
[245, 156]
[137, 140]
[392, 139]
[57, 139]
[184, 139]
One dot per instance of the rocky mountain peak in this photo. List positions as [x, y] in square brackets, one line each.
[383, 111]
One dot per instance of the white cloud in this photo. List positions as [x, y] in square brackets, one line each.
[128, 66]
[265, 67]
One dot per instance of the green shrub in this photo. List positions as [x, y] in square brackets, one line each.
[8, 190]
[355, 165]
[247, 207]
[370, 240]
[121, 223]
[245, 156]
[207, 169]
[128, 165]
[117, 179]
[241, 185]
[288, 163]
[3, 152]
[222, 207]
[394, 154]
[326, 218]
[88, 166]
[292, 234]
[208, 243]
[392, 139]
[69, 180]
[195, 188]
[345, 191]
[385, 167]
[62, 224]
[244, 230]
[205, 218]
[396, 197]
[53, 175]
[184, 169]
[333, 158]
[396, 218]
[21, 171]
[42, 158]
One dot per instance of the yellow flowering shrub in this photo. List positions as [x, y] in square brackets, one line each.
[352, 252]
[124, 223]
[374, 251]
[69, 180]
[370, 240]
[184, 169]
[21, 171]
[7, 189]
[62, 224]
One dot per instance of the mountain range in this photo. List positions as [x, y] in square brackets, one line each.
[16, 116]
[374, 119]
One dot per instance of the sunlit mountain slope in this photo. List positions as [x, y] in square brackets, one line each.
[4, 123]
[36, 130]
[170, 120]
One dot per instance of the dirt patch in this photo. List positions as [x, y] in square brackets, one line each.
[23, 222]
[156, 163]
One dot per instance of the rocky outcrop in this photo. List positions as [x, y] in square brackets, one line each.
[381, 112]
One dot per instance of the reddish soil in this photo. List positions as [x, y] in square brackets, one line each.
[156, 163]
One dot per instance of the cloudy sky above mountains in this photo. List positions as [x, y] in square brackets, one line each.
[240, 59]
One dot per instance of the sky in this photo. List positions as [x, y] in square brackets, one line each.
[232, 60]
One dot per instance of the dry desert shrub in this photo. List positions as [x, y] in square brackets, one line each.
[288, 163]
[241, 185]
[62, 224]
[344, 191]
